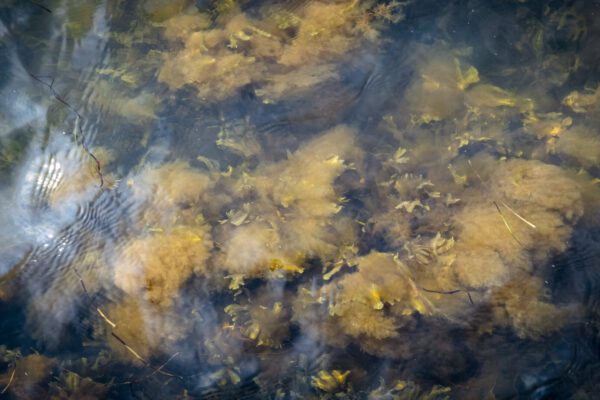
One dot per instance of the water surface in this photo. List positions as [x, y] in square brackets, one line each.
[299, 199]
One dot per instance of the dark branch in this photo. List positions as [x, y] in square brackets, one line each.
[81, 139]
[43, 7]
[451, 292]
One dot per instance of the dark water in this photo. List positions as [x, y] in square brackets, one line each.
[299, 199]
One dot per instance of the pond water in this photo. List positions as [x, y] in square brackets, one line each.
[301, 199]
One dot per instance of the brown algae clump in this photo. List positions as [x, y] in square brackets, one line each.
[141, 330]
[524, 305]
[296, 208]
[156, 265]
[529, 218]
[586, 101]
[264, 320]
[161, 193]
[358, 299]
[282, 51]
[579, 145]
[28, 377]
[438, 91]
[371, 307]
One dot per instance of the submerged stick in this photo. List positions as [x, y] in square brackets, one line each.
[159, 369]
[43, 7]
[450, 292]
[506, 224]
[81, 140]
[131, 350]
[108, 321]
[12, 376]
[119, 339]
[518, 216]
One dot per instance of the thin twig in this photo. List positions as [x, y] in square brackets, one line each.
[120, 340]
[9, 381]
[131, 350]
[450, 292]
[78, 122]
[108, 321]
[470, 298]
[506, 223]
[518, 216]
[43, 7]
[82, 284]
[159, 369]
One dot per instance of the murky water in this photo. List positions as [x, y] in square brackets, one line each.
[299, 199]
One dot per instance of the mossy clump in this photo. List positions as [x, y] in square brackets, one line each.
[155, 266]
[373, 301]
[579, 145]
[524, 305]
[162, 194]
[586, 101]
[142, 330]
[28, 377]
[293, 210]
[369, 307]
[265, 320]
[528, 219]
[160, 10]
[438, 91]
[280, 51]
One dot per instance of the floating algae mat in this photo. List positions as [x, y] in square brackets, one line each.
[303, 199]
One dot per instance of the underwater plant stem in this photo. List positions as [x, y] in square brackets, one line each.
[113, 325]
[43, 7]
[12, 376]
[518, 216]
[159, 369]
[506, 223]
[450, 292]
[108, 321]
[81, 138]
[129, 348]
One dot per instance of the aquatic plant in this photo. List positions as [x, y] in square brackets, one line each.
[141, 330]
[156, 265]
[264, 320]
[282, 52]
[71, 386]
[438, 92]
[409, 390]
[27, 377]
[583, 101]
[579, 145]
[331, 382]
[280, 254]
[161, 193]
[293, 207]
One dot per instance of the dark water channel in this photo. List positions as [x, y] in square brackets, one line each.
[345, 199]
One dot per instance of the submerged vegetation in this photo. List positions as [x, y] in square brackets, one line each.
[315, 199]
